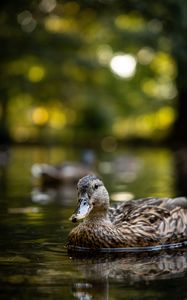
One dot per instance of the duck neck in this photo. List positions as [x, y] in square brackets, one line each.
[100, 215]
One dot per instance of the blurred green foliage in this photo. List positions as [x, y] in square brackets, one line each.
[76, 70]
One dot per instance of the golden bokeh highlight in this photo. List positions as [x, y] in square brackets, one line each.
[145, 126]
[132, 21]
[57, 118]
[36, 73]
[40, 116]
[57, 24]
[164, 65]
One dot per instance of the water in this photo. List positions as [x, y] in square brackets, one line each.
[34, 227]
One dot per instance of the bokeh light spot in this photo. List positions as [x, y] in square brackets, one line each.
[36, 73]
[132, 21]
[26, 20]
[47, 6]
[58, 118]
[54, 23]
[124, 65]
[40, 116]
[145, 55]
[104, 54]
[165, 117]
[163, 64]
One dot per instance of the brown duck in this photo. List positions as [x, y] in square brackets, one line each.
[136, 223]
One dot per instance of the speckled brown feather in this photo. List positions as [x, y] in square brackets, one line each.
[143, 222]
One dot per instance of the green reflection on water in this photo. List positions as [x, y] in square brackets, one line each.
[157, 174]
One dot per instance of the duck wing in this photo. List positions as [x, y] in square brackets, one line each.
[172, 203]
[159, 220]
[151, 208]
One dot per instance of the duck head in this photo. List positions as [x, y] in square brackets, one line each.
[93, 198]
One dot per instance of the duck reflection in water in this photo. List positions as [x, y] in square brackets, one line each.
[129, 268]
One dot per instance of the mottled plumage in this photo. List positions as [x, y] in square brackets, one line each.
[136, 223]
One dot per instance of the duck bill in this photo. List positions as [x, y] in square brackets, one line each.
[82, 210]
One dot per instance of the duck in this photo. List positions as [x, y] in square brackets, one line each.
[134, 223]
[64, 173]
[68, 172]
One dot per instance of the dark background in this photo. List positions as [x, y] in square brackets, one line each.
[56, 83]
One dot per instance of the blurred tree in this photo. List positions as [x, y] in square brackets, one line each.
[173, 16]
[59, 53]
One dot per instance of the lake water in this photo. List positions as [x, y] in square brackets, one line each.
[35, 223]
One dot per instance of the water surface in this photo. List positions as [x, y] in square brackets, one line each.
[34, 227]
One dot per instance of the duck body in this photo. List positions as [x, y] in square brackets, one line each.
[135, 223]
[68, 172]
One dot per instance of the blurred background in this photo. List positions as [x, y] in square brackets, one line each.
[93, 72]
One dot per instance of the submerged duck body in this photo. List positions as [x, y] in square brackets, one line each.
[135, 223]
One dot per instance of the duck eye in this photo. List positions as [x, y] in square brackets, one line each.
[96, 186]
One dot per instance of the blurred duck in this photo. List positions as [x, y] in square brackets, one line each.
[68, 172]
[135, 223]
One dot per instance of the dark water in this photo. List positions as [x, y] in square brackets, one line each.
[34, 261]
